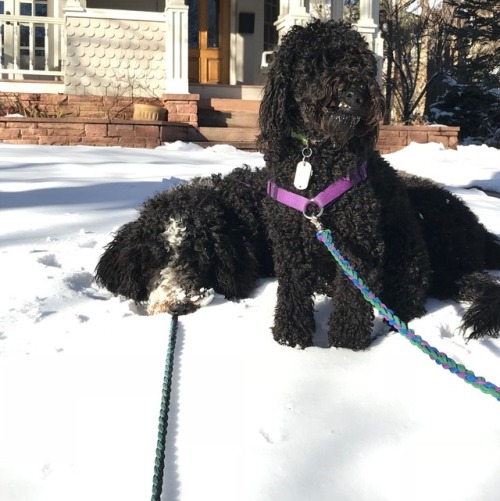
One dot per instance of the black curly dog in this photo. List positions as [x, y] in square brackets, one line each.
[319, 117]
[187, 241]
[405, 236]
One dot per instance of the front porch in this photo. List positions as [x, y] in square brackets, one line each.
[83, 64]
[63, 46]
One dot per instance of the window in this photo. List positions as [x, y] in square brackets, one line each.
[271, 10]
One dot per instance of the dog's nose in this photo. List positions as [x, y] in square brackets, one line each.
[353, 98]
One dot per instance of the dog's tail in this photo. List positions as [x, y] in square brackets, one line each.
[482, 318]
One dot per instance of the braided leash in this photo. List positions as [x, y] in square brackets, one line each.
[163, 419]
[440, 358]
[324, 236]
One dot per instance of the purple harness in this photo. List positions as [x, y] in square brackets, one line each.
[322, 199]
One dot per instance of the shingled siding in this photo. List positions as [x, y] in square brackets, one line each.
[109, 57]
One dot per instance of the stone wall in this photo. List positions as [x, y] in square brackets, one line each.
[395, 137]
[106, 120]
[149, 134]
[90, 132]
[180, 107]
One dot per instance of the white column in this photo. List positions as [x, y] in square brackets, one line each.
[73, 6]
[176, 47]
[368, 27]
[337, 10]
[368, 20]
[291, 12]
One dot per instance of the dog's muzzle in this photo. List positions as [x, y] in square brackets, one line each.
[350, 103]
[352, 100]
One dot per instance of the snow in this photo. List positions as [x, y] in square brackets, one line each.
[81, 371]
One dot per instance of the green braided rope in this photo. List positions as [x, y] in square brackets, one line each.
[163, 419]
[440, 358]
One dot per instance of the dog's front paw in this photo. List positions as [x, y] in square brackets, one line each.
[302, 343]
[351, 343]
[358, 338]
[293, 336]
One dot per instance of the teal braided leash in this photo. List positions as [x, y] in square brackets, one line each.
[440, 358]
[163, 419]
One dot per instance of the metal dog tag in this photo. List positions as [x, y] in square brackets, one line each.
[302, 175]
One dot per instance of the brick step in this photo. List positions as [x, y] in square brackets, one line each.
[229, 105]
[240, 145]
[217, 118]
[223, 135]
[216, 112]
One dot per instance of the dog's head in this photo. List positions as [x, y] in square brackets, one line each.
[323, 85]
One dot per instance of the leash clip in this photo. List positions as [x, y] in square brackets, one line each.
[313, 216]
[316, 224]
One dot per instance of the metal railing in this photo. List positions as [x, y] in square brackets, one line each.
[32, 46]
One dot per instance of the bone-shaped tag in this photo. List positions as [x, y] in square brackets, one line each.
[303, 173]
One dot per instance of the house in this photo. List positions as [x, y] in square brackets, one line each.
[152, 47]
[73, 68]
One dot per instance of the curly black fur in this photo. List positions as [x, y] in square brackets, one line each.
[314, 71]
[406, 236]
[404, 243]
[223, 245]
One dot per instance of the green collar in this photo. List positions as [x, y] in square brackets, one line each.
[300, 137]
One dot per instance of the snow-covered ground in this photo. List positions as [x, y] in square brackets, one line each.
[81, 371]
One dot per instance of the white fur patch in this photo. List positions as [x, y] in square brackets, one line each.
[174, 234]
[167, 296]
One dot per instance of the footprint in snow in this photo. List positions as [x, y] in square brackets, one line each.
[49, 260]
[81, 281]
[78, 281]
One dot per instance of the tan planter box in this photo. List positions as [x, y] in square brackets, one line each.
[149, 112]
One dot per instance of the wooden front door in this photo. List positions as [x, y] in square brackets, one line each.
[209, 41]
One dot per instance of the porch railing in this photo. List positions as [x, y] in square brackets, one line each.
[32, 46]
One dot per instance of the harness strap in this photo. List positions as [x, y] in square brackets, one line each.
[322, 199]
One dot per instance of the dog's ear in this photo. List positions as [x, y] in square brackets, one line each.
[129, 261]
[278, 109]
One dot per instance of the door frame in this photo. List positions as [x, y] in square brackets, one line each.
[210, 65]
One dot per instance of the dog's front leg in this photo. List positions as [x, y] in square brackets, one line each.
[351, 320]
[294, 314]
